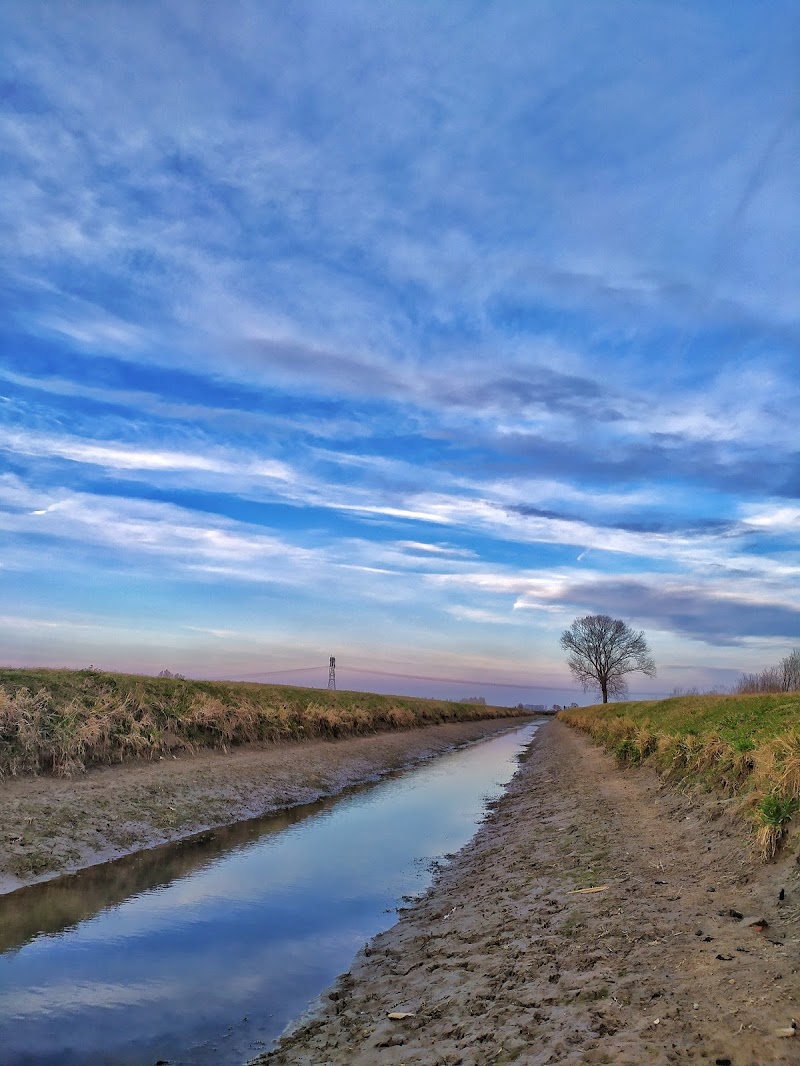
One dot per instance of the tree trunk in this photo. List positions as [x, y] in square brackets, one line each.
[604, 690]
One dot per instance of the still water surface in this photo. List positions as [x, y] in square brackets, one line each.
[203, 952]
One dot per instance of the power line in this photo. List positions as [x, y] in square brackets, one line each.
[387, 673]
[460, 680]
[277, 673]
[421, 677]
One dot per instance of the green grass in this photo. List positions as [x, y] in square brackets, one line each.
[743, 745]
[62, 721]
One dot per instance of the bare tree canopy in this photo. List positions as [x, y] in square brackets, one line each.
[602, 651]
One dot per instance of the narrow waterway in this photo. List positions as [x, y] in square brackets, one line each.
[203, 952]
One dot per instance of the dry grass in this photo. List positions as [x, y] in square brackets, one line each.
[747, 746]
[62, 721]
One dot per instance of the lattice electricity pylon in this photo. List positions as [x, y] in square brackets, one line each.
[332, 673]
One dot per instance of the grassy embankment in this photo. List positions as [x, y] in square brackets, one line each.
[747, 746]
[63, 721]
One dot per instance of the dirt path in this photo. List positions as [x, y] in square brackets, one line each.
[54, 825]
[503, 961]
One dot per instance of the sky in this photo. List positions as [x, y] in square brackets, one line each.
[404, 333]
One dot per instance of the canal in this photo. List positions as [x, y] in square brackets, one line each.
[202, 952]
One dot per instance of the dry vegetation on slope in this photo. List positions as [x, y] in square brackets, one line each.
[63, 721]
[748, 746]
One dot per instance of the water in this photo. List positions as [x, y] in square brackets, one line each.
[203, 952]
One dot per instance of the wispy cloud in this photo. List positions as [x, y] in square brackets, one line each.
[483, 617]
[143, 527]
[129, 458]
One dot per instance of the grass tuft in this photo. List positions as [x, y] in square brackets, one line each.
[775, 811]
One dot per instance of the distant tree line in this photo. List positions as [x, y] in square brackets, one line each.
[785, 677]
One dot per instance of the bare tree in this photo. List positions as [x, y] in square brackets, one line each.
[602, 651]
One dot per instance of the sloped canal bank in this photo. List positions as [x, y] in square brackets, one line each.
[202, 952]
[687, 950]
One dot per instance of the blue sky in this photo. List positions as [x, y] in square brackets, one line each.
[404, 333]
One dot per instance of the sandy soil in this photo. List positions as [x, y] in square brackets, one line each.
[54, 825]
[504, 961]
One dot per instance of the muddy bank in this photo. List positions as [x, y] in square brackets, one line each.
[506, 960]
[54, 825]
